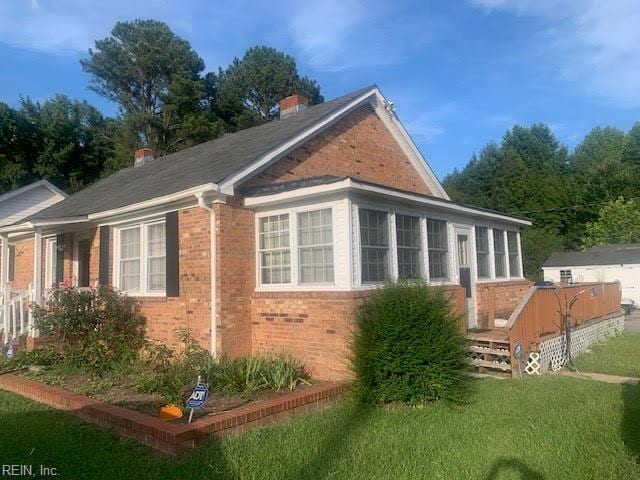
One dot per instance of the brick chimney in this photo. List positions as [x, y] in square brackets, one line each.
[289, 106]
[142, 156]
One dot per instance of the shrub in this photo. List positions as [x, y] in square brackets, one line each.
[95, 330]
[172, 374]
[408, 347]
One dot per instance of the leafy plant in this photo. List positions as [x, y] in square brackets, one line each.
[94, 330]
[409, 347]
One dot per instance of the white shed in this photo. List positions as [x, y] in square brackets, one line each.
[599, 264]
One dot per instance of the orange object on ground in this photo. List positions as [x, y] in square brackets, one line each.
[170, 412]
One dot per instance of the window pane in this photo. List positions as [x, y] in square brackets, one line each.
[482, 251]
[438, 249]
[129, 275]
[514, 258]
[409, 246]
[374, 245]
[130, 259]
[499, 253]
[315, 246]
[156, 257]
[275, 257]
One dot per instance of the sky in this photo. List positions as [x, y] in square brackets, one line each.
[460, 73]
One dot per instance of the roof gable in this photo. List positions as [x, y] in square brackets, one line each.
[23, 202]
[228, 161]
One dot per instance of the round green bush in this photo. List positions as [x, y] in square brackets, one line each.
[409, 347]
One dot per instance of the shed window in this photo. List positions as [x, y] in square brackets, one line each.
[275, 254]
[374, 245]
[315, 246]
[499, 253]
[438, 248]
[482, 251]
[409, 246]
[565, 276]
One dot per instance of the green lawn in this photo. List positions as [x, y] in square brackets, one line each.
[540, 428]
[617, 356]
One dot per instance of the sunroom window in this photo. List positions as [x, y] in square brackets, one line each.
[275, 253]
[499, 253]
[374, 245]
[142, 258]
[409, 243]
[514, 256]
[315, 246]
[482, 251]
[438, 249]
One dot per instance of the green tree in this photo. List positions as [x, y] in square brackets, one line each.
[618, 222]
[260, 80]
[154, 76]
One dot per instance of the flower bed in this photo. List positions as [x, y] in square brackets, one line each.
[166, 437]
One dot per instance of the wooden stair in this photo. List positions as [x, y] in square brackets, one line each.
[490, 353]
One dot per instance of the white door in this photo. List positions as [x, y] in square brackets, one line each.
[465, 272]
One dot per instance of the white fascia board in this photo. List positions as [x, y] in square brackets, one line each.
[154, 202]
[411, 150]
[354, 185]
[228, 185]
[17, 228]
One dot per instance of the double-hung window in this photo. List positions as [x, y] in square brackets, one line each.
[142, 258]
[565, 276]
[514, 256]
[499, 253]
[438, 248]
[315, 246]
[482, 252]
[374, 245]
[275, 252]
[409, 245]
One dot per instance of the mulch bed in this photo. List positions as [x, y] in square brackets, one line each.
[123, 393]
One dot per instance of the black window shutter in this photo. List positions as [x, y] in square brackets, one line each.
[103, 269]
[59, 258]
[12, 263]
[173, 254]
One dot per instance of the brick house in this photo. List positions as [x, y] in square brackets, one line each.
[265, 240]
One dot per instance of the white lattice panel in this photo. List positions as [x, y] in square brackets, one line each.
[551, 353]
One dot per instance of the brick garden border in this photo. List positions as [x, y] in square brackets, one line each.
[169, 438]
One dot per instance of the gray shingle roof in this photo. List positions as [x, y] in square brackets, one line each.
[601, 255]
[209, 162]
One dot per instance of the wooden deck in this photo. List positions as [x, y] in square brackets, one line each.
[488, 335]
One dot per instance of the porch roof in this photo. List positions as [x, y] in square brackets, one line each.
[322, 185]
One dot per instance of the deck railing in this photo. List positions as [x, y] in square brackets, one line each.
[539, 314]
[16, 317]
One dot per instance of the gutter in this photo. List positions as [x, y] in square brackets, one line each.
[214, 303]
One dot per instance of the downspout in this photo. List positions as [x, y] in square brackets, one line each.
[214, 304]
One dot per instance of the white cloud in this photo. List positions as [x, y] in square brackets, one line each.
[335, 35]
[592, 43]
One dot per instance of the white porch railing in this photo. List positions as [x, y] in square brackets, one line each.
[16, 318]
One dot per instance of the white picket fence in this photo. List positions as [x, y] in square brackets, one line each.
[16, 317]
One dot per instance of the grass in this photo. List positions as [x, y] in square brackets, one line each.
[540, 428]
[617, 356]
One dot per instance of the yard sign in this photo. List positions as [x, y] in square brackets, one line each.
[198, 397]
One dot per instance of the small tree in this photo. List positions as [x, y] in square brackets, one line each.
[618, 222]
[409, 347]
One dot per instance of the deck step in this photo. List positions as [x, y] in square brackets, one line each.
[505, 367]
[492, 351]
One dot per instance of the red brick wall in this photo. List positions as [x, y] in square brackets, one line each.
[358, 146]
[235, 265]
[23, 266]
[314, 327]
[191, 310]
[498, 300]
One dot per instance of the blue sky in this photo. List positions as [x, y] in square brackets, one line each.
[459, 72]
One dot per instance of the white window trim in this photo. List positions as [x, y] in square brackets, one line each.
[295, 284]
[142, 292]
[50, 252]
